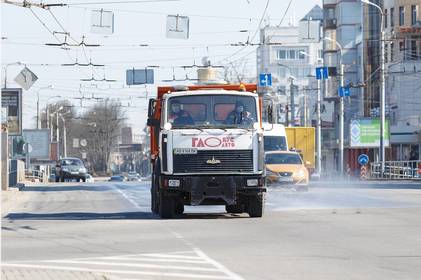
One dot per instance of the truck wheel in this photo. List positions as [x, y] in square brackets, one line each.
[256, 206]
[166, 206]
[154, 199]
[179, 208]
[234, 209]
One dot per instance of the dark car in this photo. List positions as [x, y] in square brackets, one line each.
[117, 178]
[70, 168]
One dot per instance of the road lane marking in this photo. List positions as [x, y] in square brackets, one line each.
[172, 256]
[111, 271]
[128, 198]
[221, 267]
[156, 260]
[138, 265]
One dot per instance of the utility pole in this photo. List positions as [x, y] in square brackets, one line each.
[38, 120]
[319, 128]
[341, 123]
[291, 89]
[383, 85]
[64, 136]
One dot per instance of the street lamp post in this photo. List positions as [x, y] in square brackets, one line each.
[291, 88]
[38, 117]
[341, 108]
[5, 71]
[383, 87]
[64, 135]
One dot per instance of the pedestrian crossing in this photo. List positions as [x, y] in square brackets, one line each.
[193, 264]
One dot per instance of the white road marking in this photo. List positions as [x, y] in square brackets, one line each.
[182, 265]
[128, 198]
[111, 271]
[154, 260]
[222, 268]
[137, 265]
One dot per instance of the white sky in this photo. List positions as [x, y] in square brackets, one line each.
[215, 22]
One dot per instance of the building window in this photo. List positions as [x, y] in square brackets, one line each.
[392, 49]
[385, 18]
[414, 54]
[386, 51]
[282, 54]
[414, 14]
[282, 72]
[291, 54]
[392, 20]
[401, 16]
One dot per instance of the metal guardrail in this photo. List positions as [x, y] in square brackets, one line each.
[396, 170]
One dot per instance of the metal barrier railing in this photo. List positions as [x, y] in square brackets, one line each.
[410, 169]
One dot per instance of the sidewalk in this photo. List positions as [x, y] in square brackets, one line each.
[10, 199]
[18, 273]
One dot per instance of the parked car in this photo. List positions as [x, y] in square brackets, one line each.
[89, 178]
[117, 178]
[133, 176]
[286, 167]
[70, 168]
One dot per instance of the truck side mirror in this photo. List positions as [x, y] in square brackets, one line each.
[269, 113]
[151, 107]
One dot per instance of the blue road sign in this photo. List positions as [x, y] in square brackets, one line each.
[344, 92]
[363, 159]
[265, 79]
[322, 73]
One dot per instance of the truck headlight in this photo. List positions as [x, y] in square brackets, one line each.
[174, 183]
[252, 182]
[82, 170]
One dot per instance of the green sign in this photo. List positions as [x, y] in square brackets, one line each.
[365, 133]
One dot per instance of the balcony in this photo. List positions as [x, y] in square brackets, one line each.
[329, 23]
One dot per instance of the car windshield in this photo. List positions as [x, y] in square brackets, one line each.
[275, 143]
[276, 158]
[212, 111]
[71, 162]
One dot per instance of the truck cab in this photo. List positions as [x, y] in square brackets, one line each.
[207, 149]
[275, 137]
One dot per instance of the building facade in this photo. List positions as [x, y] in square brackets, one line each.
[403, 64]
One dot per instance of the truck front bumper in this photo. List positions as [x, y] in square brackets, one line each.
[218, 189]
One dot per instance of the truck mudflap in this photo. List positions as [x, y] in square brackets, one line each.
[225, 189]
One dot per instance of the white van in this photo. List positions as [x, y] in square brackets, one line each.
[274, 137]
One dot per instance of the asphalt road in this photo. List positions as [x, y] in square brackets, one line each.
[331, 232]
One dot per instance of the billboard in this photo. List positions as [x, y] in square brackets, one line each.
[39, 141]
[11, 100]
[365, 133]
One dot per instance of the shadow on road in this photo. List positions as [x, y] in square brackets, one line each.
[65, 188]
[117, 216]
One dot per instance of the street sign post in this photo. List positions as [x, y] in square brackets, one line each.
[322, 73]
[265, 79]
[363, 159]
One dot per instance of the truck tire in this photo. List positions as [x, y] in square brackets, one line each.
[166, 206]
[256, 206]
[154, 188]
[179, 208]
[234, 209]
[154, 199]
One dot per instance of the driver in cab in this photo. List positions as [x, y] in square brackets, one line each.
[178, 116]
[239, 116]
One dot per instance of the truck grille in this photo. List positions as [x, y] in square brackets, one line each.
[231, 161]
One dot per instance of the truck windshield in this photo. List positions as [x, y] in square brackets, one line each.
[275, 143]
[212, 111]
